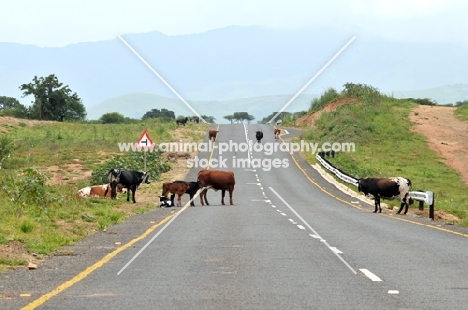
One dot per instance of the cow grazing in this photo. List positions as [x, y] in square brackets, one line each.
[179, 188]
[212, 134]
[387, 188]
[277, 133]
[182, 121]
[129, 179]
[259, 136]
[98, 191]
[217, 180]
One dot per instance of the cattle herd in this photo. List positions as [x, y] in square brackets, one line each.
[126, 181]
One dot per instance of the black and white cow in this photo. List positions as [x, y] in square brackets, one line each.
[129, 179]
[387, 188]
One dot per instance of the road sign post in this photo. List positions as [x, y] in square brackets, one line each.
[145, 143]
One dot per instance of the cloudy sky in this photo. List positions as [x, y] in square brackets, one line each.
[59, 23]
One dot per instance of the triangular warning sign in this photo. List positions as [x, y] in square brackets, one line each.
[145, 141]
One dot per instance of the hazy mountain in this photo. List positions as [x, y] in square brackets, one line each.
[214, 68]
[442, 95]
[135, 105]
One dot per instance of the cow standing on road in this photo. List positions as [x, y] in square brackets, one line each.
[387, 188]
[259, 136]
[217, 180]
[180, 188]
[212, 134]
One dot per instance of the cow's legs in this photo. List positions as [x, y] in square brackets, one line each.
[230, 196]
[191, 200]
[403, 203]
[203, 198]
[172, 200]
[133, 187]
[377, 204]
[223, 193]
[179, 200]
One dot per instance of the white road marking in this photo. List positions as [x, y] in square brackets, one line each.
[292, 221]
[370, 275]
[314, 236]
[334, 249]
[300, 227]
[313, 230]
[393, 292]
[283, 214]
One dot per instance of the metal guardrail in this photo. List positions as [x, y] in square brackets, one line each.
[421, 196]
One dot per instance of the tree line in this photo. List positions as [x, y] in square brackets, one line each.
[54, 101]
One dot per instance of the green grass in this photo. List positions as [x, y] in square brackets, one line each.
[462, 112]
[44, 224]
[386, 147]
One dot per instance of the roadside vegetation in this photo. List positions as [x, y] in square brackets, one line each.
[44, 163]
[385, 146]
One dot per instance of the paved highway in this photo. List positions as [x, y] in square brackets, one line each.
[284, 244]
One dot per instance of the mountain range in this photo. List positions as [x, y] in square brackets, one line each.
[252, 69]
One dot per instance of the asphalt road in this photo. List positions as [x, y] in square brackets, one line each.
[290, 241]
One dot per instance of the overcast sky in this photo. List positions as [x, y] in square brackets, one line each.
[59, 23]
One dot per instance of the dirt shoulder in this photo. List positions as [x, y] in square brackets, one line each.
[446, 135]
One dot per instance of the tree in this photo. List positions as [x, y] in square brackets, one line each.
[229, 118]
[12, 107]
[112, 118]
[208, 119]
[243, 116]
[155, 113]
[53, 100]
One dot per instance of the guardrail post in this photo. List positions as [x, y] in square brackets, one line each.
[421, 205]
[431, 209]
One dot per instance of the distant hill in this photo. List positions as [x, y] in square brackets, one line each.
[135, 105]
[442, 95]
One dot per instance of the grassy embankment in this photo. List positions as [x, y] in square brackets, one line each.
[385, 146]
[52, 216]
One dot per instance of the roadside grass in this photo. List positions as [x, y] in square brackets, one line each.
[60, 217]
[385, 146]
[462, 112]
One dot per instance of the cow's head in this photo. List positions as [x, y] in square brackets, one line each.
[145, 178]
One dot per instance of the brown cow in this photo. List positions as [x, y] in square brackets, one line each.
[277, 133]
[217, 180]
[212, 134]
[98, 191]
[180, 188]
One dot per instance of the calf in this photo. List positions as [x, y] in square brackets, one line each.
[259, 136]
[217, 180]
[98, 191]
[387, 188]
[129, 179]
[180, 188]
[212, 134]
[165, 202]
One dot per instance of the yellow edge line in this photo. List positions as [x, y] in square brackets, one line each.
[357, 207]
[92, 268]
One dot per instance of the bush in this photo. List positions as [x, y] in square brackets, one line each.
[131, 161]
[29, 190]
